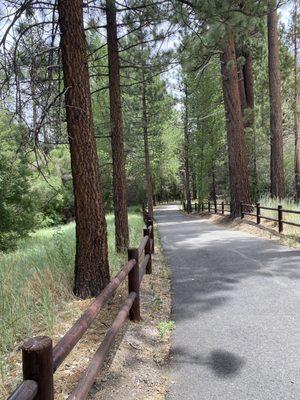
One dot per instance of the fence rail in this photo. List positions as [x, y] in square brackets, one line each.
[40, 359]
[280, 212]
[253, 210]
[217, 208]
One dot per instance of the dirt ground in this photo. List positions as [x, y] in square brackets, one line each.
[139, 369]
[136, 367]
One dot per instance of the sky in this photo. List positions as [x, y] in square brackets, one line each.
[172, 76]
[285, 12]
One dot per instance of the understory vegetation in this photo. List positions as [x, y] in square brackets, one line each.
[36, 280]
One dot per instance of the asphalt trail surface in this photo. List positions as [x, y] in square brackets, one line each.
[236, 307]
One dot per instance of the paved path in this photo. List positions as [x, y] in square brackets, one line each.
[236, 305]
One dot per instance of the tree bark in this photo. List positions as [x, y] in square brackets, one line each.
[91, 261]
[117, 140]
[238, 170]
[277, 166]
[194, 184]
[296, 102]
[149, 185]
[213, 191]
[250, 122]
[186, 153]
[249, 119]
[242, 89]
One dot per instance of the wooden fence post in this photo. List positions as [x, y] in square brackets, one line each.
[37, 361]
[209, 206]
[202, 206]
[280, 224]
[148, 251]
[222, 204]
[242, 212]
[134, 285]
[215, 204]
[258, 213]
[196, 207]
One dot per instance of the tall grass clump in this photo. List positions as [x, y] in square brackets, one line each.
[37, 279]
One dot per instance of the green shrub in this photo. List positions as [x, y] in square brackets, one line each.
[16, 206]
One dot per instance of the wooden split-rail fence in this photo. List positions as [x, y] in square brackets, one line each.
[254, 210]
[217, 208]
[40, 359]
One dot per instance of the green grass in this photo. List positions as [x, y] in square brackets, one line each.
[37, 279]
[165, 327]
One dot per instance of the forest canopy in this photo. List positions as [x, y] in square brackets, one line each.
[106, 104]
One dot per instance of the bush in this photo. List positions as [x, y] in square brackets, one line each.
[16, 207]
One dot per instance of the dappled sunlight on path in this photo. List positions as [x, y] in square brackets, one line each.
[236, 309]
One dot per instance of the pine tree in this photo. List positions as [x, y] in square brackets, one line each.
[296, 36]
[238, 171]
[277, 167]
[91, 262]
[117, 140]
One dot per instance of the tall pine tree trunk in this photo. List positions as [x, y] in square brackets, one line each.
[242, 92]
[194, 184]
[91, 262]
[277, 167]
[187, 153]
[149, 186]
[247, 88]
[213, 191]
[117, 140]
[296, 101]
[238, 170]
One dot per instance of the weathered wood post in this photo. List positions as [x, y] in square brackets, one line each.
[280, 223]
[242, 211]
[196, 206]
[134, 285]
[258, 213]
[222, 205]
[148, 251]
[209, 206]
[215, 204]
[37, 362]
[202, 206]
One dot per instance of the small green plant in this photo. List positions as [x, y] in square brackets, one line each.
[157, 301]
[165, 327]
